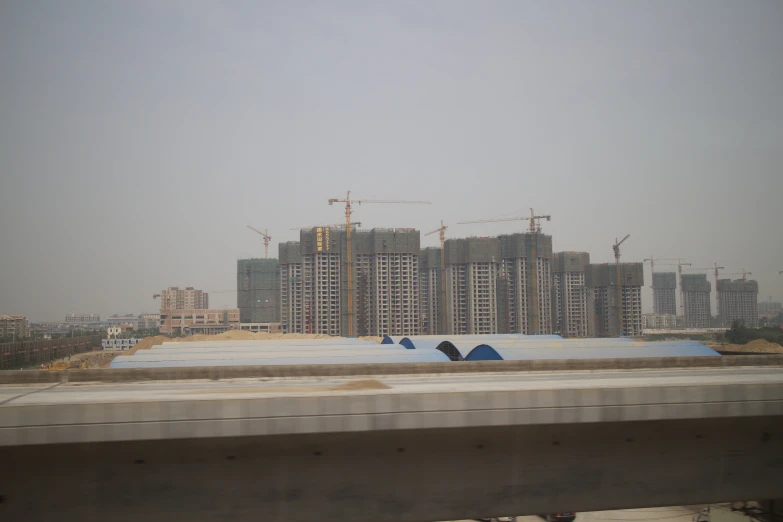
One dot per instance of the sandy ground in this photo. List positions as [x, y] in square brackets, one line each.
[758, 346]
[96, 359]
[661, 514]
[236, 335]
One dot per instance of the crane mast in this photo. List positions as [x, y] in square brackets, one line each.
[618, 282]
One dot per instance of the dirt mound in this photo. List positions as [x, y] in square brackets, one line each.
[96, 359]
[757, 346]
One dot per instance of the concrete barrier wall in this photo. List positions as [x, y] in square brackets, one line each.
[236, 372]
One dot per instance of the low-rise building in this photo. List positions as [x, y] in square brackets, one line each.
[119, 344]
[129, 319]
[659, 321]
[13, 326]
[74, 318]
[207, 321]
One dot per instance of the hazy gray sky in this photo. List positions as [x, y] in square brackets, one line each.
[138, 138]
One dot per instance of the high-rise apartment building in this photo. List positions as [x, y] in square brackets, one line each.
[258, 290]
[664, 287]
[430, 284]
[471, 285]
[738, 302]
[295, 314]
[569, 294]
[525, 287]
[186, 299]
[74, 318]
[385, 285]
[601, 280]
[696, 300]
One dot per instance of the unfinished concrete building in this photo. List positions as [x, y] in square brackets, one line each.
[293, 311]
[314, 293]
[738, 302]
[524, 296]
[601, 280]
[569, 294]
[387, 281]
[258, 290]
[696, 300]
[429, 292]
[664, 287]
[471, 285]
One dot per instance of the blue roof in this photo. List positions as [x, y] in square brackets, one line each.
[611, 350]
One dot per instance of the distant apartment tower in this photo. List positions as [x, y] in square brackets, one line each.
[430, 283]
[569, 294]
[769, 307]
[385, 285]
[696, 300]
[258, 290]
[525, 287]
[664, 287]
[471, 285]
[186, 299]
[74, 318]
[659, 321]
[601, 280]
[295, 314]
[738, 302]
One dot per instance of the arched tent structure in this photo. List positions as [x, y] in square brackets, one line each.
[164, 359]
[614, 350]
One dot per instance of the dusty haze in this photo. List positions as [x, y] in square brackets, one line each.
[137, 139]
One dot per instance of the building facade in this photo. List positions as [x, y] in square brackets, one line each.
[525, 284]
[472, 266]
[13, 326]
[119, 320]
[174, 298]
[199, 320]
[74, 318]
[605, 318]
[659, 321]
[148, 321]
[430, 295]
[696, 300]
[664, 287]
[738, 302]
[385, 282]
[258, 290]
[569, 294]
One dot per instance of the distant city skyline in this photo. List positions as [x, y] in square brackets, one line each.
[140, 139]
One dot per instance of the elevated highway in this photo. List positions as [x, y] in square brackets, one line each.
[383, 447]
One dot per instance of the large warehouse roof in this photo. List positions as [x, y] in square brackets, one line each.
[495, 352]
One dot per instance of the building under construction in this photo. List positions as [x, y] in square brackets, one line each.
[258, 290]
[471, 285]
[738, 302]
[430, 291]
[604, 315]
[664, 287]
[525, 284]
[175, 298]
[569, 294]
[696, 300]
[385, 286]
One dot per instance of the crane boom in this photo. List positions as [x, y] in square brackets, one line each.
[349, 254]
[335, 225]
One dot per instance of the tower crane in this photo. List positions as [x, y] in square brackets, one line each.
[349, 259]
[619, 297]
[535, 227]
[266, 236]
[744, 274]
[442, 231]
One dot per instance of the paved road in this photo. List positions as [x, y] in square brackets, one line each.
[84, 393]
